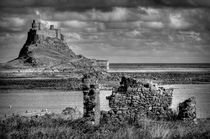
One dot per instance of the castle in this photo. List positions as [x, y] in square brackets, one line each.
[37, 33]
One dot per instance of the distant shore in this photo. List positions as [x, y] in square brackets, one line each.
[169, 77]
[71, 83]
[156, 70]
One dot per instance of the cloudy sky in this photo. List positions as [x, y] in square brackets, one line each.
[144, 31]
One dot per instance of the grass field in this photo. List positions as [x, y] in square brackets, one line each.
[54, 126]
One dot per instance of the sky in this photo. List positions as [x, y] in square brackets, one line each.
[121, 31]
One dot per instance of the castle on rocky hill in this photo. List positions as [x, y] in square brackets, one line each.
[38, 33]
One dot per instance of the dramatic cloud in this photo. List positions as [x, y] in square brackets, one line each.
[189, 3]
[14, 23]
[118, 14]
[155, 25]
[178, 22]
[103, 4]
[75, 24]
[118, 30]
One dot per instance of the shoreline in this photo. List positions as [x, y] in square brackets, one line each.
[157, 71]
[74, 84]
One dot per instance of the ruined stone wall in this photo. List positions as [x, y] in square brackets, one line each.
[187, 109]
[134, 100]
[91, 100]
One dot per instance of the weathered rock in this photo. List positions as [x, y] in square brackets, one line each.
[187, 109]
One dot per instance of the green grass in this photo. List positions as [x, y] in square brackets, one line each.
[53, 126]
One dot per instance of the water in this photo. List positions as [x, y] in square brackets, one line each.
[201, 92]
[159, 67]
[20, 101]
[57, 100]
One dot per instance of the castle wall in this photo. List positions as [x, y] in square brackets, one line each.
[41, 34]
[48, 33]
[91, 99]
[55, 33]
[58, 33]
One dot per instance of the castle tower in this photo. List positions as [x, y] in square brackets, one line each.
[58, 33]
[34, 25]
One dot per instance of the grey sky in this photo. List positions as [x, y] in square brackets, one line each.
[118, 30]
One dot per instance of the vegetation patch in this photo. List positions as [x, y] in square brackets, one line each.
[49, 126]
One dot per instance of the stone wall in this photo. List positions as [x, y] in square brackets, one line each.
[134, 100]
[187, 109]
[47, 33]
[91, 100]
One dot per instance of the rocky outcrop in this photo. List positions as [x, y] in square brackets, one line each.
[187, 109]
[134, 100]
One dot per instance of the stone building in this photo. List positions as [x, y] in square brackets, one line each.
[103, 64]
[43, 33]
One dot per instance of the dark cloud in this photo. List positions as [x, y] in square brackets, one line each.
[74, 4]
[185, 3]
[101, 4]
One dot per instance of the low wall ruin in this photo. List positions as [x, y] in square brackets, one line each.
[187, 109]
[91, 100]
[134, 100]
